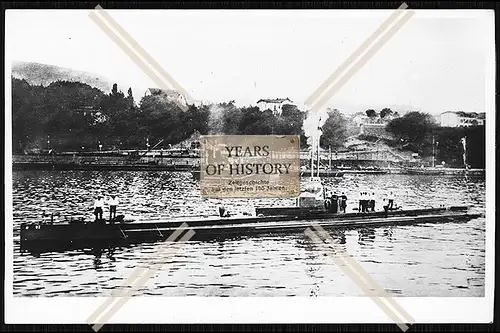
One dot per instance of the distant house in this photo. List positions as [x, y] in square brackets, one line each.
[462, 119]
[95, 113]
[169, 94]
[275, 105]
[87, 110]
[200, 103]
[360, 118]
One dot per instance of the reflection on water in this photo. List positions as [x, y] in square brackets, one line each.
[423, 260]
[366, 236]
[387, 232]
[338, 236]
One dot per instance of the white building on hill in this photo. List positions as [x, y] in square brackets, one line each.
[275, 105]
[360, 118]
[462, 119]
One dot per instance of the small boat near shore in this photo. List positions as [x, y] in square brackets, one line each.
[79, 233]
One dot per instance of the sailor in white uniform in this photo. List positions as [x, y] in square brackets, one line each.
[113, 202]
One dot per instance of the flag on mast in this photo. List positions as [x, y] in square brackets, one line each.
[464, 144]
[318, 137]
[463, 141]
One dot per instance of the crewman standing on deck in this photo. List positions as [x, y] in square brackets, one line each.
[390, 197]
[367, 201]
[335, 203]
[222, 210]
[343, 202]
[113, 202]
[328, 203]
[98, 207]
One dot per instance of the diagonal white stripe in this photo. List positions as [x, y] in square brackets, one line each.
[364, 274]
[143, 65]
[133, 43]
[141, 282]
[361, 284]
[362, 61]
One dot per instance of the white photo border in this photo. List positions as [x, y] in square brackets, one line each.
[166, 310]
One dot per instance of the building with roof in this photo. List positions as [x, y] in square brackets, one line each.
[87, 110]
[275, 105]
[462, 119]
[361, 119]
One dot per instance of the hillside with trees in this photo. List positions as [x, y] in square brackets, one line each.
[73, 116]
[43, 74]
[419, 132]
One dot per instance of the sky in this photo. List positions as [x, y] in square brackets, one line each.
[437, 62]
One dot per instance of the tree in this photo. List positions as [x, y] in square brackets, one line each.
[334, 130]
[256, 122]
[196, 119]
[385, 112]
[122, 119]
[24, 122]
[62, 111]
[290, 121]
[450, 148]
[222, 118]
[162, 119]
[231, 118]
[414, 129]
[371, 113]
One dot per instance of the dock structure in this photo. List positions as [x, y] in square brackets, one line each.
[332, 164]
[105, 162]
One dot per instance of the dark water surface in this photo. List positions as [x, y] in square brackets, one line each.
[420, 260]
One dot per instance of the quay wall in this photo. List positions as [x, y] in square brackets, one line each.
[123, 162]
[102, 160]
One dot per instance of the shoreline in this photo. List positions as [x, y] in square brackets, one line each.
[188, 163]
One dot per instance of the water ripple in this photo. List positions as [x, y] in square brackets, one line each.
[424, 260]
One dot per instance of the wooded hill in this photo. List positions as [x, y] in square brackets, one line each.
[73, 116]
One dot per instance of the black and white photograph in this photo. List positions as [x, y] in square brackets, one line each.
[385, 194]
